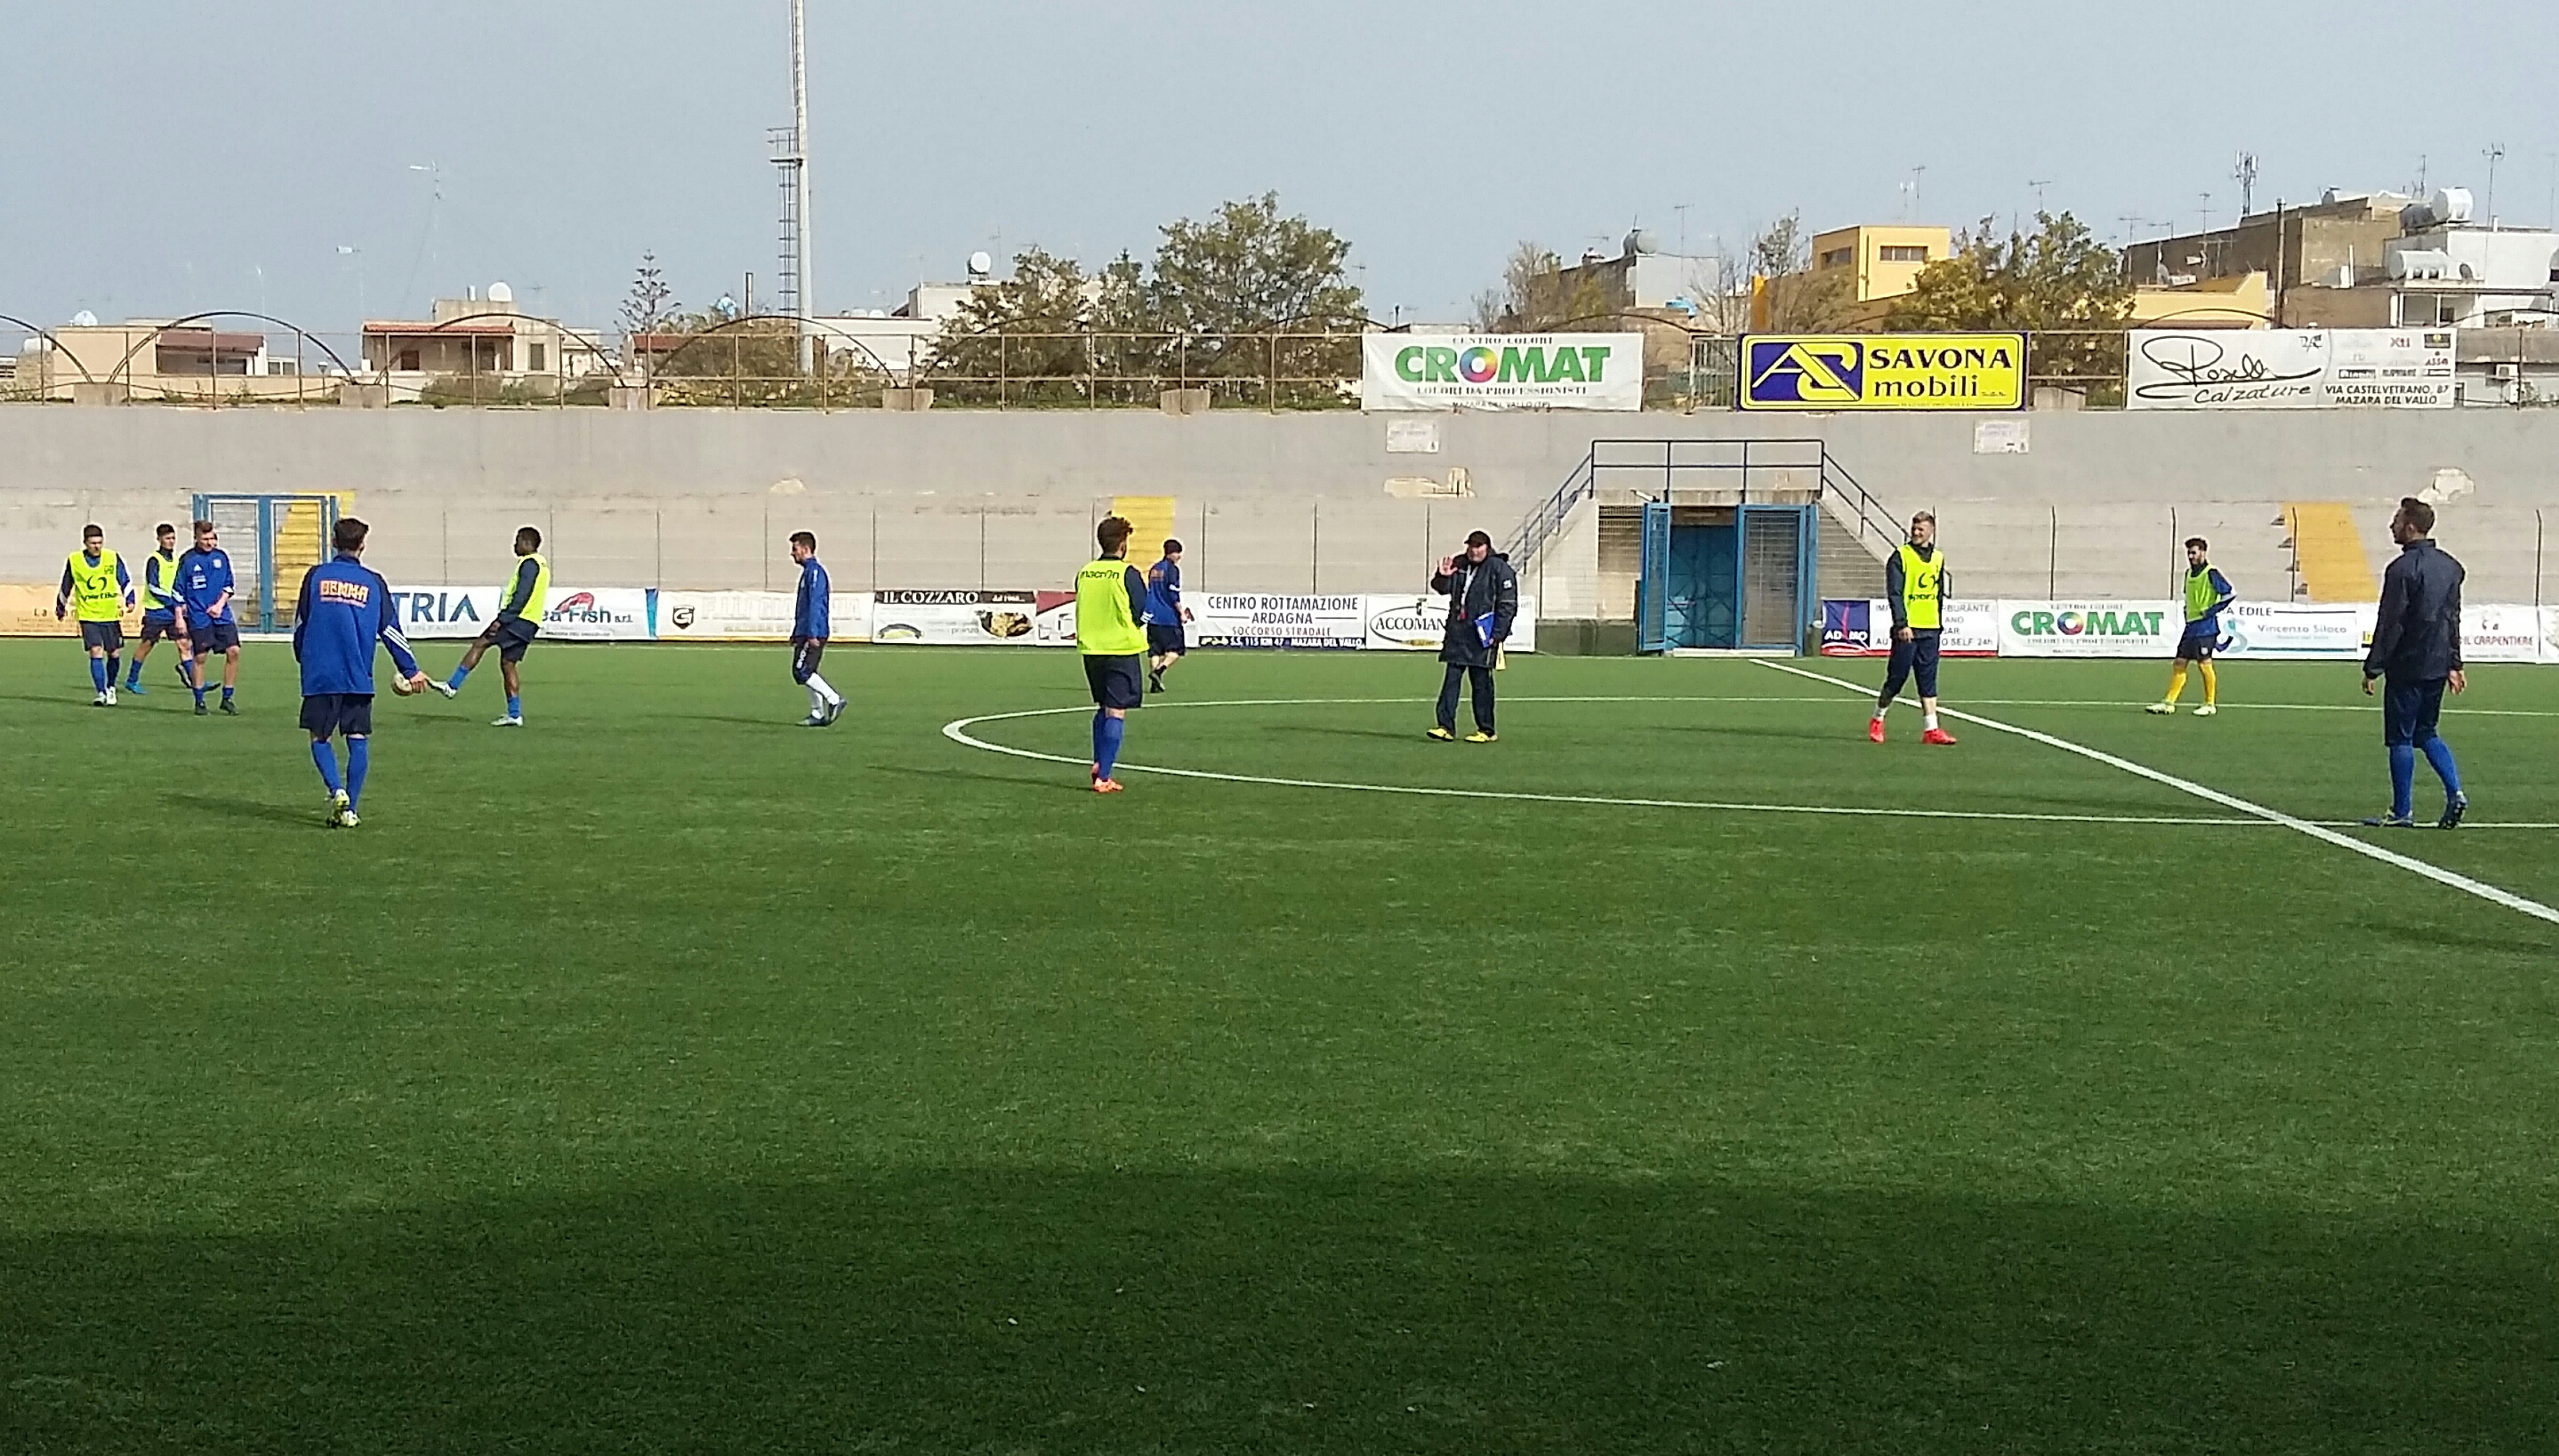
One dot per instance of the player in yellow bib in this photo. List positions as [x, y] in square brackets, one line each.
[96, 590]
[1914, 583]
[1110, 601]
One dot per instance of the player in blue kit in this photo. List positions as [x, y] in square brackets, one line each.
[205, 585]
[812, 612]
[345, 609]
[1166, 613]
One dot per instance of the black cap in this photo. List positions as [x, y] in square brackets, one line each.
[1478, 538]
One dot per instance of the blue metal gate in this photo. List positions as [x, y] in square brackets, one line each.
[272, 540]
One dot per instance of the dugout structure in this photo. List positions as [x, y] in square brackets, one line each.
[272, 539]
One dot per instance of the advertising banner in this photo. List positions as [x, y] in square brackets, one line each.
[1895, 372]
[602, 613]
[2089, 629]
[956, 619]
[1415, 624]
[1854, 628]
[2294, 630]
[755, 616]
[1053, 618]
[28, 611]
[1264, 619]
[2289, 369]
[1502, 371]
[2499, 633]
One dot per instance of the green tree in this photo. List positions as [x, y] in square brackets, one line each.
[2059, 282]
[1799, 299]
[1536, 298]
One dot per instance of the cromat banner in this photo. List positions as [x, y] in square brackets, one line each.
[2089, 629]
[955, 618]
[2289, 369]
[1417, 624]
[1854, 628]
[755, 616]
[1265, 620]
[1502, 371]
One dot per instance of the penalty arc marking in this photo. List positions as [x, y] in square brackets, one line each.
[958, 732]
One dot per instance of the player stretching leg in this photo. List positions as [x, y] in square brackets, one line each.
[810, 619]
[512, 630]
[1914, 582]
[2207, 596]
[345, 609]
[161, 613]
[96, 587]
[204, 584]
[1110, 597]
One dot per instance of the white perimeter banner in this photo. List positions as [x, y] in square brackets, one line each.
[955, 618]
[1417, 624]
[755, 616]
[1265, 620]
[2289, 369]
[2499, 634]
[2089, 629]
[573, 614]
[1502, 371]
[1971, 629]
[2294, 630]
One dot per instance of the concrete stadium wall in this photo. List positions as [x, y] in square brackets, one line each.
[688, 499]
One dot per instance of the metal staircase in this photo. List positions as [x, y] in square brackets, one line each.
[1736, 472]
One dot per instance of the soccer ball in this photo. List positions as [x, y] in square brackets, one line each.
[403, 687]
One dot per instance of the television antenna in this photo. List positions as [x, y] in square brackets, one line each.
[2037, 185]
[2246, 174]
[2494, 151]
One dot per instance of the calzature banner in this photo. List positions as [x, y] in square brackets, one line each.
[1502, 371]
[1895, 372]
[2291, 369]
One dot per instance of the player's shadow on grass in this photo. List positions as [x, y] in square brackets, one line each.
[1340, 730]
[245, 808]
[1061, 778]
[2427, 937]
[960, 1310]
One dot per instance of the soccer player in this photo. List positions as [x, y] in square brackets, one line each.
[1914, 582]
[345, 607]
[2207, 596]
[1483, 602]
[512, 630]
[809, 617]
[97, 589]
[1110, 599]
[1165, 614]
[161, 605]
[205, 585]
[2417, 648]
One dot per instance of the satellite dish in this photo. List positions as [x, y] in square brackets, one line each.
[980, 266]
[500, 293]
[84, 320]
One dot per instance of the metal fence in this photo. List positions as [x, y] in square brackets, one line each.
[755, 363]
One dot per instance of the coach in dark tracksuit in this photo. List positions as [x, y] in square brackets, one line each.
[1483, 601]
[2417, 653]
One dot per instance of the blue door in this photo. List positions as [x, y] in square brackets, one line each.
[1652, 583]
[1704, 581]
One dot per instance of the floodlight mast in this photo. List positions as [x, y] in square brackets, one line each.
[807, 302]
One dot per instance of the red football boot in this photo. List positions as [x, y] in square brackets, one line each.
[1875, 730]
[1939, 737]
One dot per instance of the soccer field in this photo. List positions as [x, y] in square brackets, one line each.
[1690, 1074]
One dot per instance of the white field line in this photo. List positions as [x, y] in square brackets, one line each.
[2320, 832]
[958, 732]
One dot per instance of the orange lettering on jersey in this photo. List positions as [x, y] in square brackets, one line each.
[353, 593]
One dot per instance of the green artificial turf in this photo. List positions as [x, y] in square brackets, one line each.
[664, 1076]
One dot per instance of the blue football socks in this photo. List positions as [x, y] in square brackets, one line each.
[360, 757]
[2440, 754]
[115, 667]
[515, 706]
[1106, 733]
[455, 681]
[327, 757]
[2403, 778]
[97, 672]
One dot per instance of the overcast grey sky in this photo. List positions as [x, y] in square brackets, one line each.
[168, 157]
